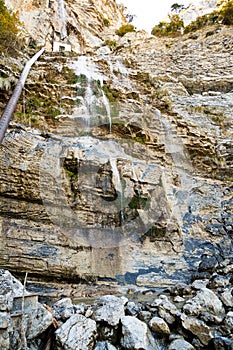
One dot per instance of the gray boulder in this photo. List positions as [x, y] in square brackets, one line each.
[136, 335]
[159, 326]
[38, 322]
[63, 309]
[104, 345]
[109, 309]
[227, 298]
[78, 333]
[180, 344]
[168, 311]
[228, 321]
[197, 328]
[205, 300]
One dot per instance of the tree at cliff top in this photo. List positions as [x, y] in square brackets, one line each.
[226, 12]
[171, 28]
[8, 30]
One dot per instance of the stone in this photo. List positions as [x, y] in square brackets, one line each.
[227, 298]
[208, 263]
[199, 284]
[132, 309]
[104, 345]
[220, 343]
[179, 344]
[159, 326]
[210, 318]
[168, 311]
[63, 309]
[197, 328]
[217, 281]
[179, 299]
[144, 316]
[228, 321]
[39, 320]
[180, 289]
[78, 332]
[4, 320]
[204, 300]
[109, 309]
[136, 335]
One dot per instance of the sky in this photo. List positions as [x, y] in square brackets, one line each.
[150, 12]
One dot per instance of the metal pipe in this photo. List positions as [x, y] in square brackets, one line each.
[11, 105]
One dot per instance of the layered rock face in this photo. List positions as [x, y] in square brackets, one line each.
[82, 24]
[131, 178]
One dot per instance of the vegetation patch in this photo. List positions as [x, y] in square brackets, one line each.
[125, 28]
[9, 23]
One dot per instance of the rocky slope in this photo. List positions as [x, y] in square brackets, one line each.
[124, 170]
[185, 316]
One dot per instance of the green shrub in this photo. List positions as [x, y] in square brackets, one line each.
[106, 22]
[172, 28]
[226, 12]
[8, 30]
[125, 28]
[112, 44]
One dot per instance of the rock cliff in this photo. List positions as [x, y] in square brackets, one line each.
[118, 164]
[82, 24]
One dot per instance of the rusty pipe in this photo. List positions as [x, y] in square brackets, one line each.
[12, 103]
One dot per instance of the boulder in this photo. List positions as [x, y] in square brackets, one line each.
[180, 344]
[168, 311]
[132, 309]
[63, 309]
[104, 345]
[136, 335]
[208, 263]
[159, 326]
[227, 298]
[38, 322]
[109, 309]
[205, 300]
[78, 332]
[228, 321]
[197, 328]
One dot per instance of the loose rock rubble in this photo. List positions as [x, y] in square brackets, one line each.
[191, 316]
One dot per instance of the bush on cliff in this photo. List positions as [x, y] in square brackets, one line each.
[125, 28]
[226, 12]
[172, 28]
[8, 30]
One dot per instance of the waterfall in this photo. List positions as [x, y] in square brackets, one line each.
[118, 186]
[62, 18]
[85, 67]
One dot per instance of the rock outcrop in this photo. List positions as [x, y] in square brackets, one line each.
[81, 24]
[22, 317]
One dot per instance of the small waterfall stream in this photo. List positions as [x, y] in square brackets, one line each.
[62, 19]
[84, 66]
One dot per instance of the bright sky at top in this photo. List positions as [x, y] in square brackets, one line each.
[150, 12]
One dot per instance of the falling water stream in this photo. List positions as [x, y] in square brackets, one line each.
[118, 186]
[62, 19]
[84, 66]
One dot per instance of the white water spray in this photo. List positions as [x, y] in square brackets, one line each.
[62, 18]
